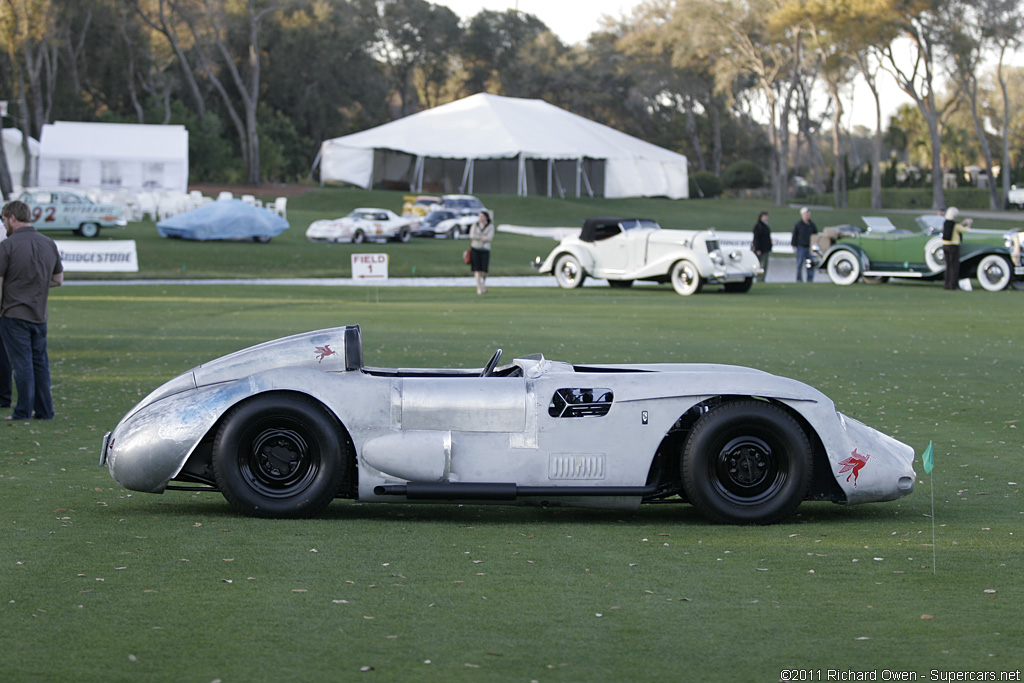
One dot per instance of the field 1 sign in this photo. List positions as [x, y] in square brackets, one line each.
[369, 267]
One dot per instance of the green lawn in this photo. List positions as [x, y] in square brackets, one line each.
[104, 585]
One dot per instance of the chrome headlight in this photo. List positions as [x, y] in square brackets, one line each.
[735, 256]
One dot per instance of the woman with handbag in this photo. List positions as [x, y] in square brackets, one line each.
[480, 237]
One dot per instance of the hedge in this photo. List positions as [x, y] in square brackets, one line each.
[908, 198]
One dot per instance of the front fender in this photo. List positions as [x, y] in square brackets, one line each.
[865, 262]
[581, 253]
[151, 445]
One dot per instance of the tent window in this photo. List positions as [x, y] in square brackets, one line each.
[152, 175]
[70, 172]
[110, 174]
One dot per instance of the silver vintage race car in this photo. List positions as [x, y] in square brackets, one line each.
[284, 427]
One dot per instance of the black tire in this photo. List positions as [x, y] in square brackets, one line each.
[261, 239]
[279, 455]
[740, 287]
[358, 237]
[620, 284]
[404, 235]
[747, 462]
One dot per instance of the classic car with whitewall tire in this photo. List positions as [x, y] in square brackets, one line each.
[363, 225]
[283, 428]
[67, 210]
[883, 251]
[624, 250]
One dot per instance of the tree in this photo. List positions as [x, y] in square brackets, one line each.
[965, 44]
[921, 23]
[841, 33]
[26, 27]
[414, 37]
[1002, 23]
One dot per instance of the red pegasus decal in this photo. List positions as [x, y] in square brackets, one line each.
[323, 352]
[854, 464]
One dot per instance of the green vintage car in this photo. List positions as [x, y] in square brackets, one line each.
[882, 251]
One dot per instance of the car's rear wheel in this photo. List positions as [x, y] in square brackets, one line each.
[358, 237]
[843, 268]
[262, 239]
[404, 235]
[568, 272]
[747, 462]
[994, 273]
[88, 230]
[279, 455]
[453, 233]
[686, 278]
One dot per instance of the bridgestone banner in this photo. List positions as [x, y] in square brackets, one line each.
[112, 256]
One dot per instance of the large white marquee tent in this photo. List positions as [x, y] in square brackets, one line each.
[492, 144]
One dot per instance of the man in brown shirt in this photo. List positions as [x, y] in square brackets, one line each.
[29, 266]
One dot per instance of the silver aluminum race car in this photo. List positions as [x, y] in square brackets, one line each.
[284, 427]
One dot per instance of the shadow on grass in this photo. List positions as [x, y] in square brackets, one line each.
[212, 506]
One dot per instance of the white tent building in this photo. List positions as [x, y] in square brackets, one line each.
[114, 156]
[15, 154]
[491, 144]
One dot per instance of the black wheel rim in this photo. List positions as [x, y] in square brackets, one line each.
[279, 460]
[748, 470]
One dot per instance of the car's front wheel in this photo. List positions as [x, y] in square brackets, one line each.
[747, 462]
[686, 278]
[569, 272]
[994, 273]
[934, 257]
[843, 268]
[279, 455]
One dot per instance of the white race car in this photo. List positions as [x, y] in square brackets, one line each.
[283, 428]
[362, 225]
[622, 250]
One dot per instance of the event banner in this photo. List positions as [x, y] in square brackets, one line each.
[99, 256]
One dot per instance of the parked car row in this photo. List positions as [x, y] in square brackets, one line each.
[448, 216]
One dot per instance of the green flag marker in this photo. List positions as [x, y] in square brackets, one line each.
[927, 459]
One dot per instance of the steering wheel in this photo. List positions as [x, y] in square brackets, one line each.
[491, 364]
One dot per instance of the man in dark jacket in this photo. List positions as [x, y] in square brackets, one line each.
[29, 266]
[801, 242]
[762, 245]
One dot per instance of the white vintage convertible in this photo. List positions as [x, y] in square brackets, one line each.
[622, 250]
[284, 427]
